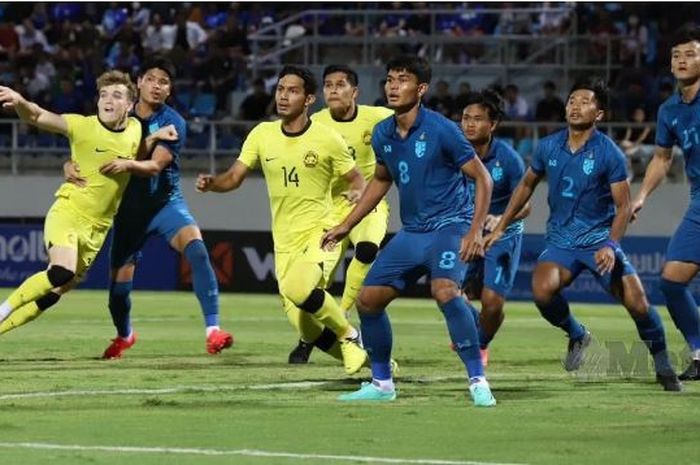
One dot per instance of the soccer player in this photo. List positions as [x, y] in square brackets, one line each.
[106, 145]
[299, 159]
[678, 123]
[427, 156]
[355, 123]
[154, 205]
[490, 279]
[589, 203]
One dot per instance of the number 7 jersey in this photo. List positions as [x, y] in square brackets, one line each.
[298, 170]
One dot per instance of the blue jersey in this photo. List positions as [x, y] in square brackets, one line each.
[426, 167]
[580, 200]
[678, 123]
[153, 192]
[507, 169]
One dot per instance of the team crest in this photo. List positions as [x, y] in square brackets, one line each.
[497, 173]
[420, 148]
[588, 165]
[153, 127]
[367, 137]
[310, 159]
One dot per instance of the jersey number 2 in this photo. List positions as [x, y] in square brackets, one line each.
[568, 189]
[290, 177]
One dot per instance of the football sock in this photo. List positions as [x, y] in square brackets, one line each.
[683, 310]
[31, 289]
[28, 312]
[377, 339]
[204, 281]
[354, 278]
[120, 307]
[331, 316]
[557, 313]
[463, 333]
[328, 342]
[651, 331]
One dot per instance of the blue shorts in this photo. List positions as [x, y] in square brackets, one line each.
[683, 246]
[131, 230]
[579, 259]
[409, 255]
[497, 269]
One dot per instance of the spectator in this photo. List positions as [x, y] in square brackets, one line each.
[254, 106]
[9, 41]
[636, 144]
[516, 107]
[551, 107]
[442, 101]
[28, 36]
[155, 38]
[461, 100]
[634, 43]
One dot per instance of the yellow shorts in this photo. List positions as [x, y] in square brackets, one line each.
[67, 228]
[309, 253]
[372, 228]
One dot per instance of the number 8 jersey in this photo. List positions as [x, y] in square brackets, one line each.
[580, 200]
[298, 170]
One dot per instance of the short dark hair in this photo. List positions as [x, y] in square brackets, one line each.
[349, 72]
[687, 34]
[488, 99]
[310, 84]
[160, 62]
[596, 85]
[413, 64]
[550, 85]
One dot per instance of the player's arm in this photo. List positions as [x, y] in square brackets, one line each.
[160, 158]
[375, 191]
[167, 133]
[605, 256]
[225, 182]
[472, 243]
[492, 220]
[656, 172]
[356, 185]
[518, 201]
[32, 113]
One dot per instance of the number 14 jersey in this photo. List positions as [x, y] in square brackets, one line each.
[298, 170]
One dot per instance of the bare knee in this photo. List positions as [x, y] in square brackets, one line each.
[374, 298]
[491, 303]
[444, 290]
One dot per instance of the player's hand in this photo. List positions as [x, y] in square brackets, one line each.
[71, 173]
[605, 259]
[636, 207]
[472, 246]
[492, 238]
[166, 133]
[353, 195]
[331, 238]
[204, 182]
[10, 98]
[115, 167]
[491, 222]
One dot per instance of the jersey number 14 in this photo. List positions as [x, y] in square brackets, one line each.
[290, 176]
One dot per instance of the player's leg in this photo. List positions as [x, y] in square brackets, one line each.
[366, 237]
[61, 241]
[446, 271]
[556, 269]
[176, 224]
[29, 312]
[625, 285]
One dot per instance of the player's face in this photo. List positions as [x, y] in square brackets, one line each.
[582, 109]
[477, 124]
[154, 86]
[290, 97]
[338, 93]
[403, 90]
[113, 105]
[685, 61]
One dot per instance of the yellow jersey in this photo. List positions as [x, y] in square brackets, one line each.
[92, 145]
[357, 133]
[298, 170]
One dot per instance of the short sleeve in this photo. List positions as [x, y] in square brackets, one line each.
[516, 170]
[175, 146]
[377, 146]
[340, 154]
[76, 123]
[455, 144]
[616, 167]
[538, 159]
[664, 136]
[250, 152]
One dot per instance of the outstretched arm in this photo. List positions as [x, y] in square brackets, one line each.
[32, 113]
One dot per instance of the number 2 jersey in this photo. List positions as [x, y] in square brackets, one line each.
[299, 169]
[580, 199]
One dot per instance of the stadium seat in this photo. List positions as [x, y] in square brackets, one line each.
[204, 105]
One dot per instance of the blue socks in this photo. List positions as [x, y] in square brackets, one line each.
[462, 328]
[557, 313]
[651, 331]
[120, 306]
[203, 281]
[684, 311]
[377, 339]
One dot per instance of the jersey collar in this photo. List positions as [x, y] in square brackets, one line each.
[595, 137]
[414, 127]
[352, 118]
[296, 134]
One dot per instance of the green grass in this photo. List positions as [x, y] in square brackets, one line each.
[238, 400]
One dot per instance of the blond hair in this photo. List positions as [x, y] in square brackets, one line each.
[109, 78]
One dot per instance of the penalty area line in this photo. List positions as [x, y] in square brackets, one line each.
[238, 452]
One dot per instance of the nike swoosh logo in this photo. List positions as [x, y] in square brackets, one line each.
[270, 159]
[100, 150]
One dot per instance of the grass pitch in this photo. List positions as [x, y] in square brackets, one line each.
[167, 401]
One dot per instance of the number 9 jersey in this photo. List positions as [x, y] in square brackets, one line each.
[298, 169]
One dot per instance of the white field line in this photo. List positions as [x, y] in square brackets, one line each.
[238, 452]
